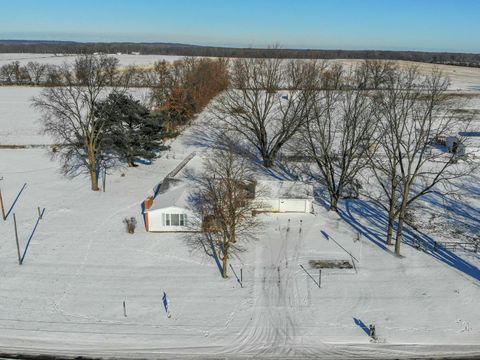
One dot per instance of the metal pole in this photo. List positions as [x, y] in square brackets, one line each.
[319, 278]
[241, 275]
[124, 309]
[39, 212]
[234, 273]
[104, 178]
[311, 277]
[16, 239]
[1, 204]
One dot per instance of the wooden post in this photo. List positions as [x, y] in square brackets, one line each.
[104, 178]
[1, 204]
[16, 239]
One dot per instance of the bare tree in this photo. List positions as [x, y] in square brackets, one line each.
[224, 204]
[255, 109]
[14, 74]
[339, 133]
[374, 74]
[36, 72]
[413, 111]
[161, 82]
[69, 115]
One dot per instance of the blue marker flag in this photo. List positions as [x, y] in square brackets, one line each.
[165, 303]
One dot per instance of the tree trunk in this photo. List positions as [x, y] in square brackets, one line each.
[333, 203]
[391, 221]
[224, 266]
[233, 240]
[401, 219]
[390, 231]
[92, 163]
[94, 180]
[225, 254]
[268, 161]
[398, 239]
[401, 222]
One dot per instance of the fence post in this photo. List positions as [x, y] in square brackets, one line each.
[104, 178]
[16, 239]
[234, 273]
[319, 278]
[353, 262]
[1, 204]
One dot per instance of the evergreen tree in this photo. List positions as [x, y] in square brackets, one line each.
[133, 132]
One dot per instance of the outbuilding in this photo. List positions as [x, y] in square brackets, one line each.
[455, 145]
[284, 196]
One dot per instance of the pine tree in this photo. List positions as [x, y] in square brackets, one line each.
[134, 133]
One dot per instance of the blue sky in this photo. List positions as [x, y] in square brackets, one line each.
[435, 25]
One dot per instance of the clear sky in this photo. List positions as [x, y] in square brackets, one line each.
[432, 25]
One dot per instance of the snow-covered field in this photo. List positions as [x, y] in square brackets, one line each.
[67, 297]
[19, 124]
[125, 59]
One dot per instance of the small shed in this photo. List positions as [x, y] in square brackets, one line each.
[455, 146]
[169, 211]
[284, 196]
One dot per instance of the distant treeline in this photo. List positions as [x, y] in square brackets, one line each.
[66, 47]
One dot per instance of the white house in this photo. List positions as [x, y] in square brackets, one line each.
[284, 196]
[169, 211]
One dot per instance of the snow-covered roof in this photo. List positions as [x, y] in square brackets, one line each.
[277, 189]
[175, 193]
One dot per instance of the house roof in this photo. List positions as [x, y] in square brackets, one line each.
[176, 193]
[277, 189]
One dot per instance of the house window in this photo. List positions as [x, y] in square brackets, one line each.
[175, 220]
[183, 219]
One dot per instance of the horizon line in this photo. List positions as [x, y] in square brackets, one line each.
[240, 47]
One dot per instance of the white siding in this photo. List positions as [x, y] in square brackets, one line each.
[286, 205]
[156, 220]
[293, 205]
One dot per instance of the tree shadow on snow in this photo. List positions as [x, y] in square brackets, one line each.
[205, 243]
[359, 212]
[419, 240]
[353, 210]
[202, 242]
[469, 214]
